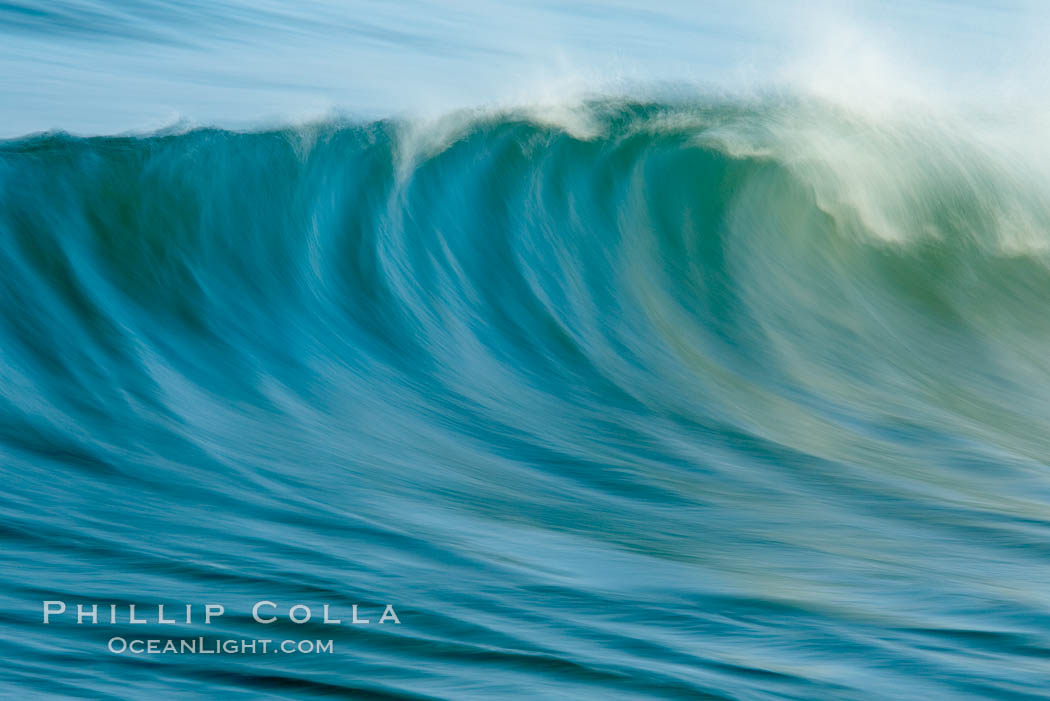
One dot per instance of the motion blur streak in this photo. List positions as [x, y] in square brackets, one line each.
[629, 349]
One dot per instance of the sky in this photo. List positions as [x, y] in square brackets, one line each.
[113, 66]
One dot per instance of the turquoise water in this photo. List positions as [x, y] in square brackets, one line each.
[658, 390]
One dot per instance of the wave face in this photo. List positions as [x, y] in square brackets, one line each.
[706, 399]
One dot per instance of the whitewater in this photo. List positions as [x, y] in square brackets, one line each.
[716, 371]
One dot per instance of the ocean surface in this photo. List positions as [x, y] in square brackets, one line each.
[628, 351]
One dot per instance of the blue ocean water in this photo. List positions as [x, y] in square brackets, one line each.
[605, 351]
